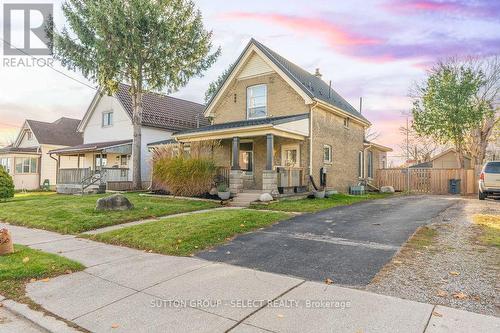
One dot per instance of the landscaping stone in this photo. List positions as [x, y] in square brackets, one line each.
[319, 194]
[266, 197]
[213, 191]
[114, 202]
[387, 189]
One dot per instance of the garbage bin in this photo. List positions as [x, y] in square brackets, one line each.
[454, 186]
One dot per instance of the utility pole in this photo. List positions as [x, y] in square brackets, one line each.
[407, 155]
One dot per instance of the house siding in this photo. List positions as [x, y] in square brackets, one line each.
[121, 128]
[282, 100]
[328, 129]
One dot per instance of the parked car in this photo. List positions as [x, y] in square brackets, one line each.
[489, 180]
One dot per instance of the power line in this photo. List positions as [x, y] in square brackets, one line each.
[54, 69]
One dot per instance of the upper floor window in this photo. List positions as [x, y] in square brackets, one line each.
[257, 101]
[347, 121]
[29, 134]
[107, 119]
[26, 165]
[327, 154]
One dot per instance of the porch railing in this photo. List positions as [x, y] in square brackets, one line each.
[76, 176]
[72, 176]
[290, 177]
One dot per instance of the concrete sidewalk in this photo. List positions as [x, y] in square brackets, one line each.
[126, 290]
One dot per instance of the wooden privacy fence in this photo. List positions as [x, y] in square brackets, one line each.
[427, 180]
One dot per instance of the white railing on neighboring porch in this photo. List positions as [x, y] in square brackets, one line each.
[76, 176]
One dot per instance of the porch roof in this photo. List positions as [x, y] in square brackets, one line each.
[294, 126]
[93, 147]
[17, 150]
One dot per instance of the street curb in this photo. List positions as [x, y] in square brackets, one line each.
[45, 322]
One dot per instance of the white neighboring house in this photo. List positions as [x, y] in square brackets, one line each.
[107, 131]
[27, 160]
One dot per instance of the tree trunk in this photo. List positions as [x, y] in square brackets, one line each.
[136, 144]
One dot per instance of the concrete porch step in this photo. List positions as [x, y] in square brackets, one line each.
[244, 199]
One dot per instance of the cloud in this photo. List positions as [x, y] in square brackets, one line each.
[374, 43]
[484, 8]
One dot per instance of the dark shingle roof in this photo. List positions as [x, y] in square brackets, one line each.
[11, 149]
[61, 132]
[246, 123]
[312, 85]
[164, 111]
[96, 146]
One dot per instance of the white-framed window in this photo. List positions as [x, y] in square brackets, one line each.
[29, 134]
[107, 119]
[361, 166]
[327, 154]
[5, 163]
[26, 165]
[123, 160]
[370, 164]
[101, 160]
[347, 122]
[257, 101]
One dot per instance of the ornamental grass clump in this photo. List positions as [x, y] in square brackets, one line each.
[183, 174]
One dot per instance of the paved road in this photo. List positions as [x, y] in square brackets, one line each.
[346, 244]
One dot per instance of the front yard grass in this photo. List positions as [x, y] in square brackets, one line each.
[314, 205]
[72, 214]
[182, 236]
[490, 226]
[25, 264]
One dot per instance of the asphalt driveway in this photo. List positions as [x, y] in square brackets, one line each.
[347, 244]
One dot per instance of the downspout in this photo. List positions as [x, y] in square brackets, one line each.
[39, 167]
[311, 138]
[57, 168]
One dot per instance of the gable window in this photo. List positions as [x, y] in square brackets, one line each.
[107, 119]
[360, 164]
[27, 165]
[370, 164]
[29, 135]
[257, 101]
[327, 154]
[347, 121]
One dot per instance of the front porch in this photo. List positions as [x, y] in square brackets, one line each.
[94, 167]
[270, 157]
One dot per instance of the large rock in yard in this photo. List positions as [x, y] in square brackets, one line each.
[387, 189]
[114, 202]
[266, 197]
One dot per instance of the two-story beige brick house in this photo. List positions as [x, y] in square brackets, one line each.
[279, 124]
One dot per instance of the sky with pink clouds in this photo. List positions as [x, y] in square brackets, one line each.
[374, 49]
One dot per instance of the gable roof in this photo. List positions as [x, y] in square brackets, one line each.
[312, 86]
[61, 132]
[164, 111]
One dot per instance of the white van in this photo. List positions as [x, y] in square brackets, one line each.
[489, 180]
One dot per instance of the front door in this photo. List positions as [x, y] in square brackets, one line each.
[246, 157]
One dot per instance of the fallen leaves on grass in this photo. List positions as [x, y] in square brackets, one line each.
[26, 259]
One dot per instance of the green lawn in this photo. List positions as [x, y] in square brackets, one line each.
[490, 227]
[24, 264]
[314, 205]
[72, 214]
[191, 233]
